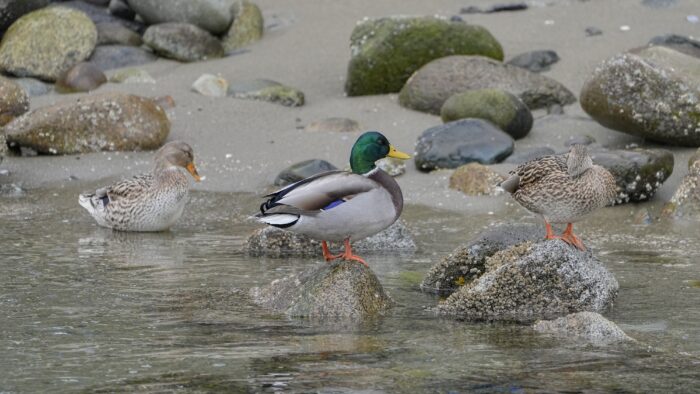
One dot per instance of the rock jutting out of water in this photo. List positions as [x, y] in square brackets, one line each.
[589, 326]
[652, 93]
[474, 179]
[430, 86]
[460, 142]
[267, 90]
[531, 281]
[106, 122]
[386, 51]
[499, 107]
[273, 242]
[183, 42]
[247, 26]
[302, 170]
[46, 43]
[13, 100]
[535, 61]
[83, 77]
[340, 289]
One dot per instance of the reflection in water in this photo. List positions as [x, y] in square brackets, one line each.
[91, 309]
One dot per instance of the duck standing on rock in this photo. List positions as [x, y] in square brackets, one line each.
[146, 202]
[563, 189]
[341, 205]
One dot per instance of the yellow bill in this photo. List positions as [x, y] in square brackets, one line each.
[192, 170]
[396, 154]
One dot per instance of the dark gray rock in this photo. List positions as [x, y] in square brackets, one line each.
[531, 281]
[639, 172]
[213, 16]
[515, 6]
[680, 43]
[524, 155]
[467, 263]
[593, 31]
[11, 10]
[183, 42]
[273, 242]
[121, 9]
[267, 90]
[589, 326]
[499, 107]
[108, 57]
[460, 142]
[535, 61]
[109, 33]
[429, 88]
[302, 170]
[340, 289]
[386, 51]
[102, 15]
[651, 93]
[685, 202]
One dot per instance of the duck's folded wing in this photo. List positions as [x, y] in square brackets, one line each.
[533, 171]
[127, 189]
[317, 192]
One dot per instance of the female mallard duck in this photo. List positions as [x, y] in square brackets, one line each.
[146, 202]
[340, 205]
[563, 189]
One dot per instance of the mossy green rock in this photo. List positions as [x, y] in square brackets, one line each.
[653, 93]
[47, 42]
[503, 109]
[13, 100]
[267, 90]
[341, 289]
[247, 26]
[385, 52]
[106, 122]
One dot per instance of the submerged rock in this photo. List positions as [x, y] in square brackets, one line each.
[532, 281]
[340, 289]
[105, 122]
[210, 85]
[302, 170]
[685, 202]
[13, 100]
[521, 156]
[466, 263]
[653, 93]
[535, 61]
[83, 77]
[474, 179]
[429, 88]
[267, 90]
[589, 326]
[183, 42]
[341, 125]
[211, 15]
[247, 26]
[497, 106]
[639, 172]
[109, 57]
[386, 51]
[46, 43]
[460, 142]
[273, 242]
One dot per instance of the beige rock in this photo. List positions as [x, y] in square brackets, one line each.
[475, 179]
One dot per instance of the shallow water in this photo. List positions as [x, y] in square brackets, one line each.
[88, 309]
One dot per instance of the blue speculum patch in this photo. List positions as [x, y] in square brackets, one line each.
[333, 204]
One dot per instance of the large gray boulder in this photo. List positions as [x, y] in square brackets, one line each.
[588, 326]
[212, 15]
[104, 122]
[429, 88]
[340, 289]
[273, 242]
[652, 93]
[384, 52]
[46, 43]
[182, 41]
[531, 281]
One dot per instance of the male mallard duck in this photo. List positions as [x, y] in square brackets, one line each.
[340, 205]
[146, 202]
[563, 189]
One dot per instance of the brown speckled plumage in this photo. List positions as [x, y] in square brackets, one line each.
[146, 202]
[562, 188]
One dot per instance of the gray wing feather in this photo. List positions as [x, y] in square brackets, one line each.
[325, 189]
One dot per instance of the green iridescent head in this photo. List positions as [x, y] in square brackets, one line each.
[370, 147]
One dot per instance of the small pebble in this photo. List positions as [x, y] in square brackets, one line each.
[624, 28]
[692, 18]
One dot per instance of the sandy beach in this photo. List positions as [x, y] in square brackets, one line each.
[241, 145]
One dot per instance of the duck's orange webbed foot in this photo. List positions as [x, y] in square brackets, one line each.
[348, 255]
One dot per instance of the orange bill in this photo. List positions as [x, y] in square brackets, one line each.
[192, 170]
